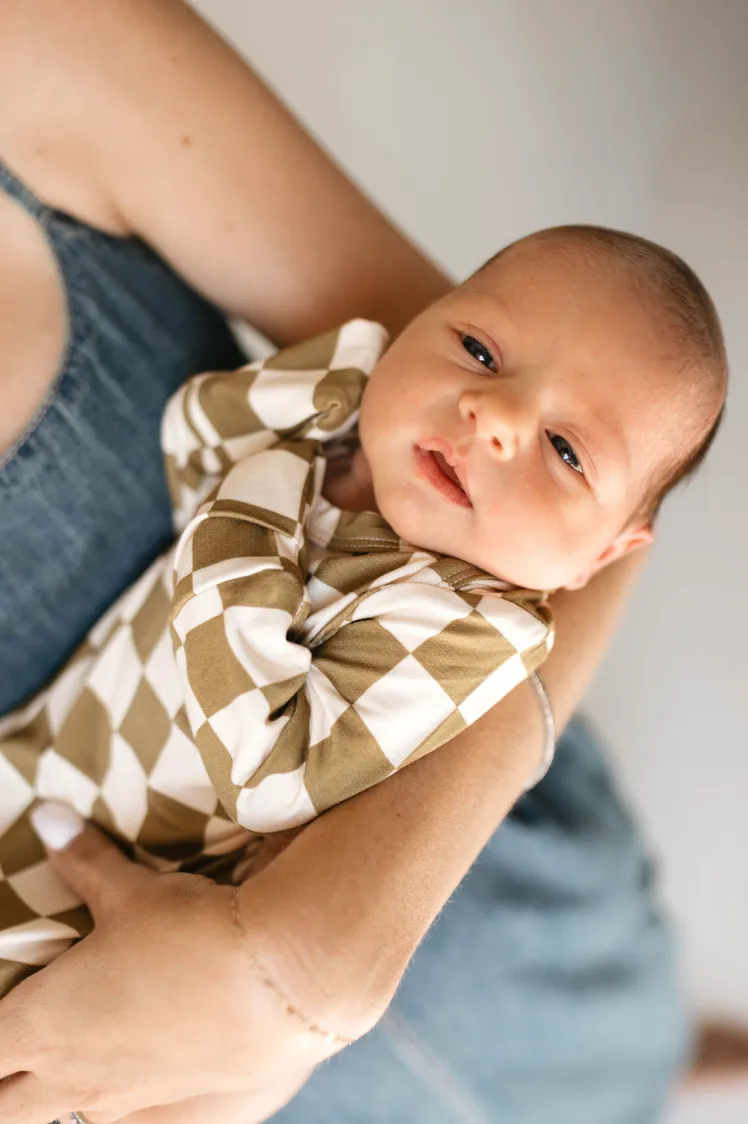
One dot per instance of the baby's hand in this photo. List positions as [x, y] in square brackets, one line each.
[348, 482]
[264, 853]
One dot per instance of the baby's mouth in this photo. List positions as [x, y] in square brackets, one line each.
[435, 467]
[447, 469]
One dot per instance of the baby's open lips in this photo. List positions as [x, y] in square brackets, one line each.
[435, 465]
[447, 468]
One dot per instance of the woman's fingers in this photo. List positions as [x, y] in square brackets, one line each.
[24, 1099]
[23, 1035]
[97, 871]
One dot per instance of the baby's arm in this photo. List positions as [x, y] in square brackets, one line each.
[220, 418]
[287, 731]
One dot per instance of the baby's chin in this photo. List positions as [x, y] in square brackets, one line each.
[520, 570]
[529, 574]
[508, 571]
[517, 572]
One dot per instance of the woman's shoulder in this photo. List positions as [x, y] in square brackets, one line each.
[57, 91]
[135, 116]
[113, 105]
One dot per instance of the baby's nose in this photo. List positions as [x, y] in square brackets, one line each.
[492, 424]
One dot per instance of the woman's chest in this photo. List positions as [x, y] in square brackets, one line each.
[33, 321]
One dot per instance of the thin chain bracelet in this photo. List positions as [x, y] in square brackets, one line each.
[311, 1027]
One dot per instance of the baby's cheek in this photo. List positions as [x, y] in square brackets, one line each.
[414, 521]
[519, 547]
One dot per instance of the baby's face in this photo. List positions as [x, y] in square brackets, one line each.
[517, 422]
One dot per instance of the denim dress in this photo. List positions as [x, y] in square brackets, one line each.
[545, 993]
[83, 502]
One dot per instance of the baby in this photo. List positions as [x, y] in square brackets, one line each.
[338, 603]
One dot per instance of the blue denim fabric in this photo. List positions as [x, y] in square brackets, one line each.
[83, 501]
[544, 994]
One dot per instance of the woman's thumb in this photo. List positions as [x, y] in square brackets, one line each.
[92, 867]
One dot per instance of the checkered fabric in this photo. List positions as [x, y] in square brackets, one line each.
[284, 656]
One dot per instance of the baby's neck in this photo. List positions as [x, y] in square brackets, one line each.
[348, 484]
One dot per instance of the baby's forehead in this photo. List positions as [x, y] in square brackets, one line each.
[539, 264]
[601, 317]
[594, 269]
[543, 301]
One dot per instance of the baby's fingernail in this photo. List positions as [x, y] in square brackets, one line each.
[56, 825]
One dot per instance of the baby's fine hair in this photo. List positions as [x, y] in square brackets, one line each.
[674, 290]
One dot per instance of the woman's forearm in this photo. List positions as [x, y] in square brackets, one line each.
[338, 915]
[587, 621]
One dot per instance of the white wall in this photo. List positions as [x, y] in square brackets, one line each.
[475, 121]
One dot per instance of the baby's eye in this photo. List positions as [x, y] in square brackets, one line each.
[479, 352]
[565, 451]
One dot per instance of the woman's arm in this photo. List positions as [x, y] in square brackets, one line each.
[135, 116]
[332, 923]
[132, 115]
[339, 914]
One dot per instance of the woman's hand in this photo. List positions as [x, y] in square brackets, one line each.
[160, 1003]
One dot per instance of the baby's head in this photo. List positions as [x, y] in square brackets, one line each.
[532, 421]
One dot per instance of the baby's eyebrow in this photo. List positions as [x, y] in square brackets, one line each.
[605, 443]
[498, 303]
[493, 315]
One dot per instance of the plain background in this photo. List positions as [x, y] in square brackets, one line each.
[472, 122]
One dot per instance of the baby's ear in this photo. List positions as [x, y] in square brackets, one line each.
[630, 538]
